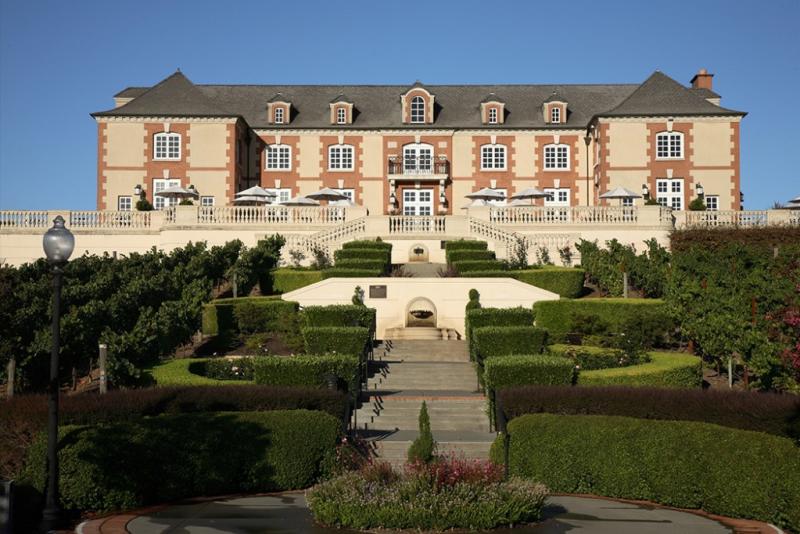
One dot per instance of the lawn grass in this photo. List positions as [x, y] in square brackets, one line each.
[178, 372]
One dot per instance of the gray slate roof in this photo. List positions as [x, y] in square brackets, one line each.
[378, 106]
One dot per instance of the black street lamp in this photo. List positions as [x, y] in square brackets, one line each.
[58, 244]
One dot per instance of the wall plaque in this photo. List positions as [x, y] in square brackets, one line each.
[377, 292]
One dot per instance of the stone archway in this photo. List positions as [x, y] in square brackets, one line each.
[418, 252]
[421, 312]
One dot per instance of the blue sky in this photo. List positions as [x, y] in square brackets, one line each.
[60, 60]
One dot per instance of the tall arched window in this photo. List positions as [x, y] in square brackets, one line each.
[669, 145]
[340, 158]
[418, 109]
[167, 146]
[493, 157]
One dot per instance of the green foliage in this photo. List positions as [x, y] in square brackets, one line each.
[697, 204]
[465, 244]
[339, 315]
[308, 370]
[254, 266]
[587, 358]
[480, 317]
[373, 265]
[255, 314]
[228, 453]
[519, 254]
[491, 341]
[186, 372]
[351, 340]
[693, 465]
[527, 369]
[566, 281]
[367, 244]
[143, 205]
[491, 274]
[344, 272]
[464, 267]
[423, 448]
[468, 254]
[378, 254]
[474, 294]
[358, 296]
[229, 368]
[665, 369]
[647, 272]
[285, 280]
[725, 290]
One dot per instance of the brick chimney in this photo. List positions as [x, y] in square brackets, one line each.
[702, 80]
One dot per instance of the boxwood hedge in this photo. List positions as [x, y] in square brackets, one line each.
[346, 272]
[365, 243]
[363, 254]
[339, 315]
[588, 358]
[127, 465]
[527, 369]
[566, 281]
[665, 369]
[336, 339]
[308, 370]
[493, 341]
[685, 464]
[479, 317]
[218, 315]
[186, 372]
[285, 280]
[467, 254]
[377, 265]
[465, 244]
[464, 267]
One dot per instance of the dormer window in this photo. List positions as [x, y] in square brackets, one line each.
[278, 115]
[492, 115]
[554, 110]
[279, 110]
[418, 110]
[167, 146]
[341, 110]
[341, 116]
[555, 115]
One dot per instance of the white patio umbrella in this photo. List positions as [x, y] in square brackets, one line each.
[326, 193]
[529, 193]
[474, 203]
[486, 194]
[178, 192]
[300, 201]
[620, 193]
[251, 200]
[794, 203]
[256, 191]
[518, 202]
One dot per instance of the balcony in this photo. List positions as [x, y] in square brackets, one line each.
[416, 168]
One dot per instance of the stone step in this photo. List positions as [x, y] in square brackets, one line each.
[420, 333]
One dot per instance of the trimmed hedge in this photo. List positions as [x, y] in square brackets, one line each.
[339, 315]
[566, 281]
[218, 318]
[556, 315]
[467, 254]
[363, 254]
[589, 358]
[665, 369]
[491, 274]
[153, 460]
[480, 317]
[527, 369]
[364, 244]
[187, 372]
[336, 339]
[725, 471]
[308, 370]
[491, 341]
[747, 410]
[464, 267]
[286, 280]
[344, 272]
[261, 315]
[377, 265]
[465, 244]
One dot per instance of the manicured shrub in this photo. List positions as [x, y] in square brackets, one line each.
[127, 465]
[186, 372]
[260, 315]
[747, 410]
[765, 237]
[587, 358]
[566, 281]
[343, 272]
[684, 464]
[365, 244]
[376, 265]
[527, 369]
[558, 316]
[308, 370]
[229, 368]
[465, 244]
[443, 495]
[423, 448]
[218, 315]
[491, 341]
[477, 318]
[363, 254]
[336, 339]
[464, 267]
[467, 254]
[285, 280]
[491, 274]
[665, 369]
[339, 315]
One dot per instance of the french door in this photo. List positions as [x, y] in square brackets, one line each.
[418, 202]
[417, 159]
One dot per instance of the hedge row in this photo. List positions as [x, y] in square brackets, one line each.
[345, 272]
[566, 281]
[491, 341]
[218, 315]
[527, 369]
[363, 254]
[128, 465]
[336, 339]
[366, 243]
[665, 369]
[464, 267]
[261, 315]
[286, 280]
[372, 265]
[186, 372]
[765, 237]
[465, 244]
[588, 358]
[340, 315]
[468, 254]
[746, 410]
[480, 317]
[724, 471]
[308, 370]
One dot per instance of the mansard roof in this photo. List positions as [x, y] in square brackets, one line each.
[661, 95]
[379, 107]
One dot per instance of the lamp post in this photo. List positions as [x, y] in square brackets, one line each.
[588, 140]
[58, 244]
[645, 192]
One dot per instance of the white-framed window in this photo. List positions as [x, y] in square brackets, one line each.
[283, 194]
[340, 158]
[278, 115]
[417, 158]
[207, 201]
[349, 193]
[557, 196]
[278, 157]
[493, 157]
[555, 114]
[669, 192]
[556, 157]
[669, 145]
[627, 202]
[159, 185]
[124, 203]
[711, 202]
[417, 110]
[167, 146]
[418, 202]
[492, 115]
[341, 116]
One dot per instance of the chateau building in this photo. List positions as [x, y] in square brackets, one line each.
[419, 149]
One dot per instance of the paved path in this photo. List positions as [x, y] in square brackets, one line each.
[287, 513]
[424, 270]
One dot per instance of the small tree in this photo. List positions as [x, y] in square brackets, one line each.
[519, 254]
[423, 449]
[321, 259]
[297, 257]
[543, 256]
[358, 296]
[143, 205]
[697, 204]
[566, 256]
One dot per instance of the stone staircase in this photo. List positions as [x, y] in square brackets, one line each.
[410, 371]
[420, 333]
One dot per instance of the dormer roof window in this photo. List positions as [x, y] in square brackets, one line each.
[492, 109]
[279, 110]
[554, 109]
[417, 105]
[341, 110]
